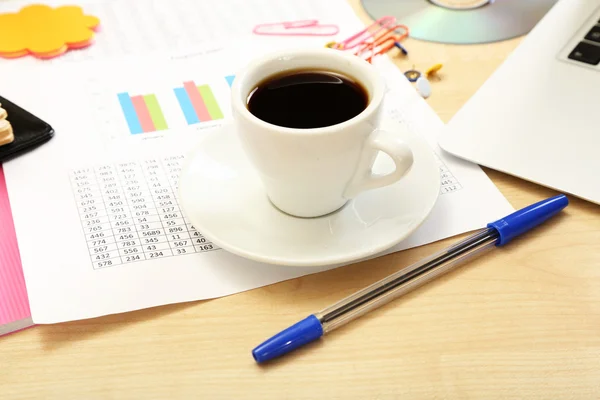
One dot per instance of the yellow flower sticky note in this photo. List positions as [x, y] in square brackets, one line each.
[44, 31]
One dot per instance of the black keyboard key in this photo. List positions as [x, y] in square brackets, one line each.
[594, 34]
[587, 53]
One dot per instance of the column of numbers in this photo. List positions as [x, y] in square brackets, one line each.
[172, 167]
[135, 195]
[108, 183]
[94, 218]
[449, 183]
[171, 216]
[154, 235]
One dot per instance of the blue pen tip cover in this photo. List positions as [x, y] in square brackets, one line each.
[295, 336]
[527, 218]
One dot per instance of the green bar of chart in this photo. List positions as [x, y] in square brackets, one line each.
[211, 103]
[155, 112]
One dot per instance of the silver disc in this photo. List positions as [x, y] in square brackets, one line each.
[462, 21]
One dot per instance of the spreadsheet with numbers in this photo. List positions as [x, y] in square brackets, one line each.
[129, 212]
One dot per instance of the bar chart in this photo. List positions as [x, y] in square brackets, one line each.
[143, 113]
[146, 108]
[198, 103]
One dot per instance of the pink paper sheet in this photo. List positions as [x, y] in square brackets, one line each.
[14, 304]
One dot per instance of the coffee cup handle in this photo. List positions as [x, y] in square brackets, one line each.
[390, 144]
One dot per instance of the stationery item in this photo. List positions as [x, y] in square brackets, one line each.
[24, 133]
[385, 40]
[338, 149]
[382, 49]
[14, 305]
[496, 233]
[412, 75]
[367, 35]
[116, 239]
[309, 27]
[423, 87]
[368, 225]
[433, 70]
[402, 48]
[178, 28]
[45, 32]
[370, 42]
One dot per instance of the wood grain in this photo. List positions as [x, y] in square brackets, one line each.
[521, 322]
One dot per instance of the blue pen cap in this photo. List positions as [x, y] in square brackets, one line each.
[527, 218]
[297, 335]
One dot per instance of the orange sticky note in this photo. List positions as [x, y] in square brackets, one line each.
[45, 32]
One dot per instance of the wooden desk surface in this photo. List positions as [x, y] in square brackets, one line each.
[521, 322]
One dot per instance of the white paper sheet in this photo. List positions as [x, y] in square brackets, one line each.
[152, 28]
[97, 176]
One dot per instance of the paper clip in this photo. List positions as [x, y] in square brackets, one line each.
[384, 42]
[367, 38]
[377, 38]
[309, 27]
[364, 35]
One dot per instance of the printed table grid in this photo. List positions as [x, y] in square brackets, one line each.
[129, 212]
[449, 183]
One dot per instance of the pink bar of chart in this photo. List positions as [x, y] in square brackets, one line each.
[143, 113]
[197, 101]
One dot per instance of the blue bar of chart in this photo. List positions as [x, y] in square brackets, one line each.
[198, 103]
[143, 113]
[130, 114]
[186, 106]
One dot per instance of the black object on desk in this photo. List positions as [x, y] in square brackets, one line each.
[29, 131]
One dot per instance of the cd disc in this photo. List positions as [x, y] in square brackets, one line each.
[462, 21]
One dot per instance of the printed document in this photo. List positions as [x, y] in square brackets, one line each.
[98, 221]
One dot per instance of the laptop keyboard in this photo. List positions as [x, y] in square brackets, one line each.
[588, 50]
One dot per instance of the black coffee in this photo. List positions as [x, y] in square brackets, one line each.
[307, 99]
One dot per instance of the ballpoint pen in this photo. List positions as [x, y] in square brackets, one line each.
[495, 234]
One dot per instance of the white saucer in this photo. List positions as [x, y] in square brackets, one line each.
[223, 197]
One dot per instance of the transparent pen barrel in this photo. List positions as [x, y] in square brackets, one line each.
[405, 280]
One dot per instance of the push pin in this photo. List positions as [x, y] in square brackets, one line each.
[6, 131]
[402, 48]
[433, 70]
[423, 87]
[334, 45]
[412, 74]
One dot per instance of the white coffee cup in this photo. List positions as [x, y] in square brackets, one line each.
[314, 172]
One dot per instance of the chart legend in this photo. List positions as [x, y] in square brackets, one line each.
[142, 113]
[198, 103]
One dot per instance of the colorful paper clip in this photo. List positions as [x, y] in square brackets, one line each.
[309, 27]
[385, 42]
[364, 35]
[377, 38]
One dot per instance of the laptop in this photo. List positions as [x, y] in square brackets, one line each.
[538, 116]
